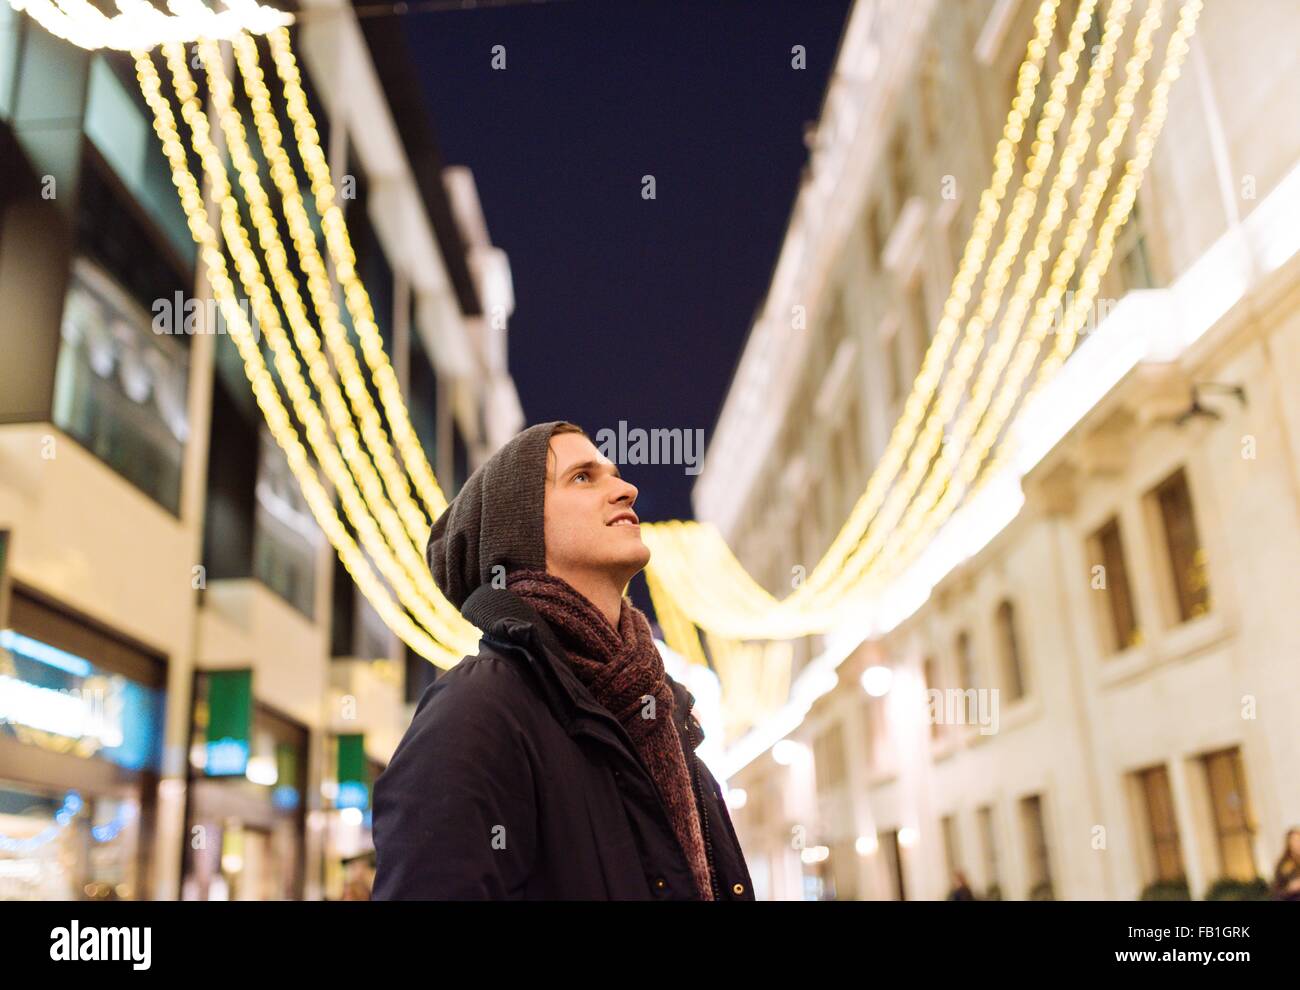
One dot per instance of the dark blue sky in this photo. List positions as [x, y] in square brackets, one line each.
[628, 309]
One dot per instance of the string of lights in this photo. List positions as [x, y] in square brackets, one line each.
[358, 301]
[141, 26]
[938, 453]
[399, 540]
[285, 359]
[932, 513]
[927, 514]
[918, 400]
[321, 290]
[820, 601]
[264, 389]
[793, 616]
[939, 463]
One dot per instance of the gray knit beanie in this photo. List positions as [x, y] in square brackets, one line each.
[496, 518]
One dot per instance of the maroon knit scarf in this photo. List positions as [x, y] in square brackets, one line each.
[622, 669]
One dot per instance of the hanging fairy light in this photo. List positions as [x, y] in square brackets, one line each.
[141, 26]
[948, 432]
[695, 562]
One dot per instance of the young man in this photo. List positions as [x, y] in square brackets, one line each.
[558, 763]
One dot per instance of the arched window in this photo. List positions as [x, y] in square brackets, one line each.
[965, 661]
[1013, 677]
[934, 706]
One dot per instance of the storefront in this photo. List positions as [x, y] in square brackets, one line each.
[245, 814]
[349, 843]
[81, 716]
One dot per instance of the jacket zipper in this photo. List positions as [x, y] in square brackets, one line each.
[700, 804]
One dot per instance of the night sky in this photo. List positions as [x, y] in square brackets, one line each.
[631, 309]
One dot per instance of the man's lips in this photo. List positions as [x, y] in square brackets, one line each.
[625, 519]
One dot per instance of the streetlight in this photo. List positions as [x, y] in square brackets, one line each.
[785, 751]
[877, 680]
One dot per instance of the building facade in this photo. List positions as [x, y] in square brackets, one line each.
[194, 696]
[1090, 697]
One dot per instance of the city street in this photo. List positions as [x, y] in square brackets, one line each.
[574, 450]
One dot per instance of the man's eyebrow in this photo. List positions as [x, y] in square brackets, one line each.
[589, 465]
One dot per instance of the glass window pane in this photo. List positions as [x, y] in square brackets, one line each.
[120, 389]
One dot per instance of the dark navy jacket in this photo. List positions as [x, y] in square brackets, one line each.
[512, 782]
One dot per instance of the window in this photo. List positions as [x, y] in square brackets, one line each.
[1162, 827]
[121, 389]
[878, 741]
[872, 233]
[893, 851]
[931, 111]
[934, 709]
[828, 758]
[1108, 554]
[120, 126]
[895, 367]
[843, 864]
[11, 24]
[422, 400]
[1131, 253]
[900, 171]
[1183, 546]
[286, 540]
[919, 314]
[371, 260]
[1037, 861]
[1013, 680]
[848, 452]
[965, 661]
[1234, 820]
[951, 846]
[989, 847]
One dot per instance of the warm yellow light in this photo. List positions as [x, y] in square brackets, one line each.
[692, 563]
[786, 752]
[140, 26]
[877, 680]
[264, 389]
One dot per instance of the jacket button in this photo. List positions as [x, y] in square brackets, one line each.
[738, 888]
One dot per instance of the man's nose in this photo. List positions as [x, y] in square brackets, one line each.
[624, 490]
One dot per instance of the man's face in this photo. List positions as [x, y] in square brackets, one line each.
[589, 522]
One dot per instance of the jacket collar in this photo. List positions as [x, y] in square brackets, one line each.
[508, 620]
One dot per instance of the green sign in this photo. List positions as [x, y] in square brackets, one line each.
[354, 783]
[230, 721]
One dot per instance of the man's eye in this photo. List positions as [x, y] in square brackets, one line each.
[580, 474]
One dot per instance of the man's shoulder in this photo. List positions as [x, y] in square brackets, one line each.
[485, 685]
[476, 707]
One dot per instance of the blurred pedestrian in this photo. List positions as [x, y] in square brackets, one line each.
[961, 889]
[357, 877]
[1286, 875]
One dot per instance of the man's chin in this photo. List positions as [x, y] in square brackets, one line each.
[636, 559]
